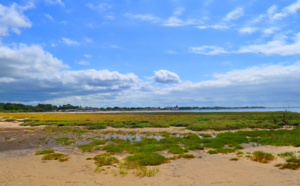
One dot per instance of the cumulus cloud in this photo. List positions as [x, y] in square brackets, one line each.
[30, 73]
[273, 85]
[207, 50]
[12, 18]
[165, 77]
[22, 60]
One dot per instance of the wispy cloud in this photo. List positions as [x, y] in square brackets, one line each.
[235, 14]
[279, 47]
[49, 17]
[102, 7]
[144, 17]
[179, 11]
[248, 30]
[286, 11]
[208, 50]
[87, 55]
[69, 41]
[217, 27]
[83, 62]
[59, 2]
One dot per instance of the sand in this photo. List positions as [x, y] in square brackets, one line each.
[22, 167]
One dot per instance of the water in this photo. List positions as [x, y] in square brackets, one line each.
[267, 109]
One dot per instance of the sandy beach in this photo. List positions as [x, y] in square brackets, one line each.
[19, 166]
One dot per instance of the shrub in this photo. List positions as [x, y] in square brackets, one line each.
[45, 151]
[262, 157]
[105, 159]
[145, 159]
[56, 156]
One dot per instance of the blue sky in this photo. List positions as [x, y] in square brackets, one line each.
[150, 52]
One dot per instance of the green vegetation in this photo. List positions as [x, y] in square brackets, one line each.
[292, 161]
[105, 159]
[193, 121]
[187, 156]
[234, 159]
[145, 171]
[88, 147]
[262, 157]
[56, 156]
[144, 159]
[64, 140]
[45, 151]
[49, 154]
[286, 154]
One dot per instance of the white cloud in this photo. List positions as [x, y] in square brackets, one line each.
[171, 52]
[83, 62]
[277, 46]
[144, 17]
[12, 19]
[172, 21]
[30, 73]
[165, 77]
[22, 61]
[114, 46]
[179, 11]
[286, 11]
[248, 30]
[59, 2]
[217, 27]
[235, 14]
[207, 50]
[87, 55]
[269, 85]
[102, 7]
[69, 41]
[49, 17]
[88, 40]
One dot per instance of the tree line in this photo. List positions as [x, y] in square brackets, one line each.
[18, 107]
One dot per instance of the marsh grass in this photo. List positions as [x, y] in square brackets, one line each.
[144, 159]
[292, 161]
[234, 159]
[285, 154]
[146, 171]
[186, 156]
[194, 121]
[64, 140]
[262, 157]
[239, 153]
[56, 156]
[89, 147]
[45, 151]
[104, 159]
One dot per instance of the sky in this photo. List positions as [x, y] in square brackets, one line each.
[138, 53]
